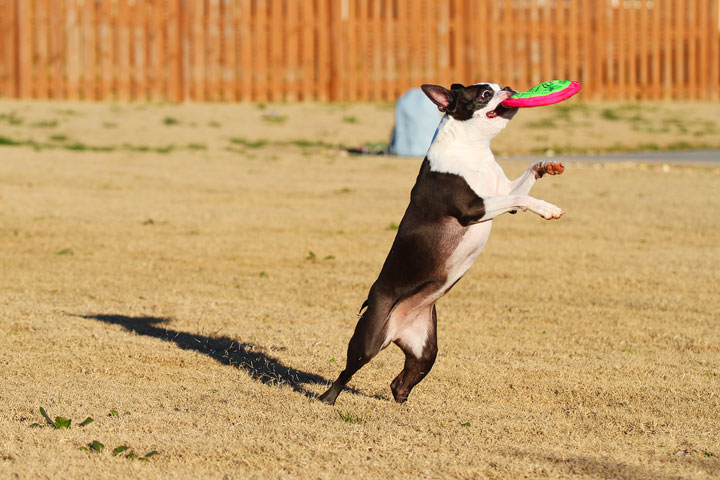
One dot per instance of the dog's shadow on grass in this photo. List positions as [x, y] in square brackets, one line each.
[245, 356]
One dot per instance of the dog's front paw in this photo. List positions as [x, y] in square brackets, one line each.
[551, 168]
[547, 210]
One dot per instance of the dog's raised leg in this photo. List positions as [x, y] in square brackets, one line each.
[524, 183]
[367, 341]
[495, 206]
[420, 348]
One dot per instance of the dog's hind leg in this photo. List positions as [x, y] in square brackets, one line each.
[418, 340]
[369, 338]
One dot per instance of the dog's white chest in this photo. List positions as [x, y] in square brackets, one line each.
[467, 251]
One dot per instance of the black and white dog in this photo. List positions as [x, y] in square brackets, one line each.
[459, 190]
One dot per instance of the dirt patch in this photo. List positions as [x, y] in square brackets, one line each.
[207, 295]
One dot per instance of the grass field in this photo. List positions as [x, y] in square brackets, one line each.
[192, 284]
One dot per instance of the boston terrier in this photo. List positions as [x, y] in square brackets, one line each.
[459, 190]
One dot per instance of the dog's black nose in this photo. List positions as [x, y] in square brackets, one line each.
[506, 88]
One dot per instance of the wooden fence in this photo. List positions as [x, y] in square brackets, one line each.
[353, 50]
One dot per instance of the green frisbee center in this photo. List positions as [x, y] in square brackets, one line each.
[545, 88]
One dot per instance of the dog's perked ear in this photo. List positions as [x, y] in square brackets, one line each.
[440, 96]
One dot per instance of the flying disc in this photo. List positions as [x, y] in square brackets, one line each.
[546, 93]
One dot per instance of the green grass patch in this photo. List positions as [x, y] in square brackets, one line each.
[249, 143]
[274, 118]
[58, 138]
[170, 121]
[349, 417]
[10, 142]
[45, 124]
[609, 114]
[543, 123]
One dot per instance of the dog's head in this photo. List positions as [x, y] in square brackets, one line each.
[480, 104]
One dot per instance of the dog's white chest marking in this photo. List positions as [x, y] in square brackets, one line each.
[467, 251]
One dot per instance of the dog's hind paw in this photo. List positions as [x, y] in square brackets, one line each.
[548, 167]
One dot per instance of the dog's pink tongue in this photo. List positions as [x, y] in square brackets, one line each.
[491, 114]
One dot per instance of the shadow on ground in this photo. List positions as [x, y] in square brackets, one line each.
[245, 356]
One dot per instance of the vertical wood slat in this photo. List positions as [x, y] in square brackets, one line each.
[560, 40]
[89, 49]
[664, 6]
[106, 51]
[632, 52]
[679, 48]
[24, 45]
[704, 40]
[57, 41]
[643, 37]
[585, 60]
[622, 43]
[691, 50]
[245, 49]
[40, 46]
[714, 19]
[157, 49]
[307, 60]
[72, 50]
[229, 54]
[291, 36]
[212, 50]
[547, 49]
[656, 56]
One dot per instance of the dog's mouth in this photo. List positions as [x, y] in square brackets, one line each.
[502, 111]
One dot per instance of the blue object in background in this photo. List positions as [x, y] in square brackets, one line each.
[416, 119]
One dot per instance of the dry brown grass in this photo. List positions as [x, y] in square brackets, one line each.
[584, 347]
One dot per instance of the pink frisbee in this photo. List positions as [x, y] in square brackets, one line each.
[546, 93]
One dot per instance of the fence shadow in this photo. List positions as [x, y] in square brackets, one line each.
[245, 356]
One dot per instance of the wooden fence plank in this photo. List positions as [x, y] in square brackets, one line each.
[632, 49]
[363, 34]
[40, 49]
[25, 51]
[704, 17]
[259, 55]
[548, 48]
[560, 40]
[714, 78]
[106, 50]
[72, 50]
[307, 61]
[212, 50]
[291, 36]
[245, 49]
[57, 40]
[157, 48]
[196, 14]
[229, 56]
[585, 62]
[123, 51]
[173, 45]
[664, 6]
[643, 38]
[89, 48]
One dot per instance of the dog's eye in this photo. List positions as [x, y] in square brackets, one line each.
[487, 94]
